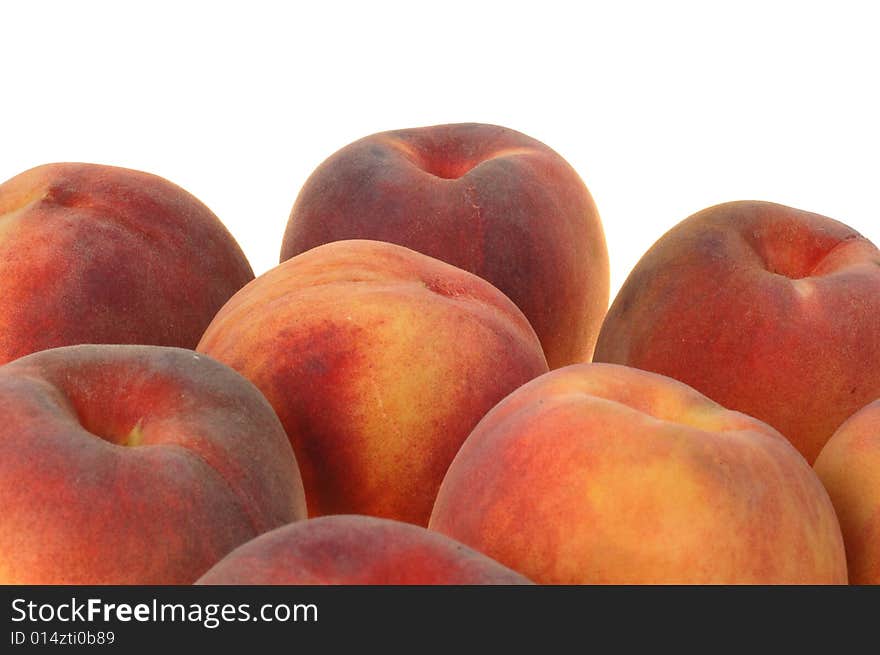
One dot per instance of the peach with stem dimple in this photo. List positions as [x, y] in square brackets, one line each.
[484, 198]
[766, 309]
[125, 464]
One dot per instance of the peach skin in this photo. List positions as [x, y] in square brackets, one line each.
[379, 362]
[484, 198]
[357, 550]
[100, 254]
[604, 474]
[849, 467]
[768, 310]
[134, 465]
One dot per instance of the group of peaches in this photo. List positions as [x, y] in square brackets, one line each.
[430, 388]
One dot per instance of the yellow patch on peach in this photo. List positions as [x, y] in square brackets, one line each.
[598, 474]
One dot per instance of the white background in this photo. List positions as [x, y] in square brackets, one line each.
[663, 108]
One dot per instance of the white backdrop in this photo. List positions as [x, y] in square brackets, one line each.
[663, 108]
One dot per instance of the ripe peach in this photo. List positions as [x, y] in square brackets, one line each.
[485, 198]
[357, 550]
[379, 361]
[134, 465]
[99, 254]
[597, 473]
[768, 310]
[849, 467]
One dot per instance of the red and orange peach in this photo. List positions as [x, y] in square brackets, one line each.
[379, 362]
[766, 309]
[357, 550]
[597, 473]
[100, 254]
[134, 465]
[485, 198]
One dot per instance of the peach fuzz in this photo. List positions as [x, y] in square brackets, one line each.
[101, 254]
[768, 310]
[603, 474]
[485, 198]
[379, 362]
[357, 550]
[134, 465]
[849, 467]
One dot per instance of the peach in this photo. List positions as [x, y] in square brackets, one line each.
[379, 362]
[357, 550]
[768, 310]
[134, 465]
[484, 198]
[849, 467]
[604, 474]
[99, 254]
